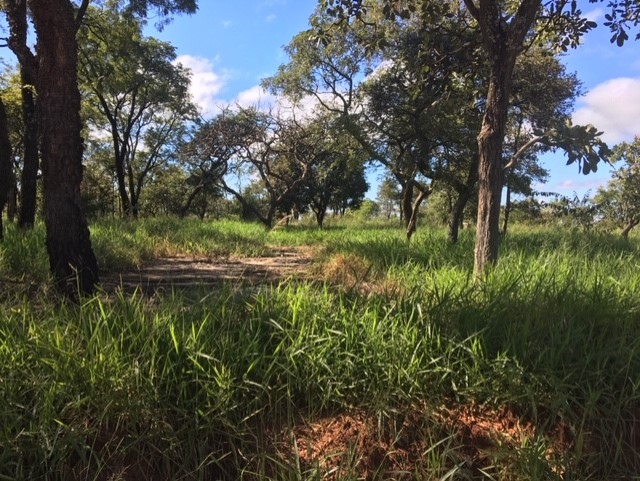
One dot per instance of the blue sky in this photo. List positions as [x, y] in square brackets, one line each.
[230, 46]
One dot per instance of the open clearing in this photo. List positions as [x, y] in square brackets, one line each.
[186, 272]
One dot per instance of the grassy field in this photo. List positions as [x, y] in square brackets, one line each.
[391, 364]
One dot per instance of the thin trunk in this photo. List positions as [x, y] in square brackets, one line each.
[465, 192]
[29, 178]
[6, 166]
[187, 205]
[407, 204]
[456, 216]
[415, 208]
[320, 215]
[628, 227]
[507, 210]
[12, 202]
[16, 11]
[71, 258]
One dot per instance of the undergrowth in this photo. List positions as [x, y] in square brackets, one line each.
[204, 384]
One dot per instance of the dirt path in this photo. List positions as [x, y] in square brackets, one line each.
[185, 272]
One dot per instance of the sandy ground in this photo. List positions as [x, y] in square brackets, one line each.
[186, 272]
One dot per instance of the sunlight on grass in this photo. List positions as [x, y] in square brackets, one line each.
[223, 383]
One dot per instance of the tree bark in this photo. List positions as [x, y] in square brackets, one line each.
[465, 192]
[630, 225]
[71, 258]
[16, 11]
[415, 208]
[6, 166]
[507, 210]
[503, 43]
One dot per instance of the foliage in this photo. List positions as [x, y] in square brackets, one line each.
[620, 199]
[135, 94]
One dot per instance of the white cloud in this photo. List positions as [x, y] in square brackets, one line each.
[594, 15]
[613, 107]
[256, 96]
[572, 185]
[227, 23]
[271, 18]
[205, 83]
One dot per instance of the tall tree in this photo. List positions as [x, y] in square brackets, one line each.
[506, 30]
[136, 93]
[6, 164]
[71, 257]
[16, 12]
[620, 199]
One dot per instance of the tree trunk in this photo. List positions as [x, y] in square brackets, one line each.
[457, 215]
[6, 165]
[507, 210]
[503, 43]
[628, 227]
[407, 203]
[12, 202]
[415, 208]
[16, 11]
[29, 178]
[320, 214]
[71, 258]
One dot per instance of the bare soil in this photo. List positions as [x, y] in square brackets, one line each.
[282, 263]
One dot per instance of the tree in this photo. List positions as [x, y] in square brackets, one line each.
[276, 152]
[389, 197]
[6, 167]
[136, 93]
[337, 178]
[506, 30]
[71, 257]
[16, 12]
[620, 200]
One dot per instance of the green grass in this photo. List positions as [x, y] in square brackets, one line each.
[196, 385]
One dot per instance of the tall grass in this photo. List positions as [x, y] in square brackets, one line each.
[197, 384]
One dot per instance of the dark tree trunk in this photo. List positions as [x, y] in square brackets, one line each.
[628, 227]
[320, 215]
[120, 154]
[415, 208]
[456, 215]
[407, 203]
[507, 210]
[71, 258]
[187, 205]
[29, 178]
[16, 11]
[6, 165]
[503, 43]
[12, 202]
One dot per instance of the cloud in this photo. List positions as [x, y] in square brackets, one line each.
[205, 83]
[572, 185]
[256, 96]
[227, 23]
[271, 18]
[613, 107]
[594, 15]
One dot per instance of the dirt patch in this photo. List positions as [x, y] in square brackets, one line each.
[188, 272]
[463, 441]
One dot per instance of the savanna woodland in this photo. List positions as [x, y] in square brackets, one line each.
[193, 297]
